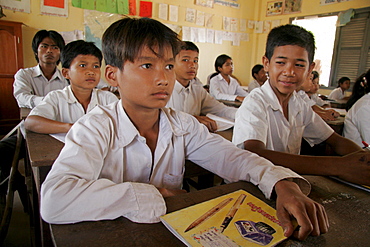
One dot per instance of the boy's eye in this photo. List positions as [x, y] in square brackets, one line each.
[185, 60]
[96, 66]
[195, 61]
[146, 66]
[169, 66]
[300, 65]
[55, 47]
[82, 65]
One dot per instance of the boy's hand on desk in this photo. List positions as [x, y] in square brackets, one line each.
[209, 123]
[239, 98]
[170, 192]
[355, 167]
[292, 203]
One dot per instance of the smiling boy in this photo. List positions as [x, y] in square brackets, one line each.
[273, 119]
[123, 158]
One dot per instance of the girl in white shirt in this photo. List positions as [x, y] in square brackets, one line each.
[222, 85]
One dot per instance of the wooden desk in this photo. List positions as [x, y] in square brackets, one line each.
[341, 104]
[347, 208]
[24, 112]
[231, 103]
[42, 150]
[337, 124]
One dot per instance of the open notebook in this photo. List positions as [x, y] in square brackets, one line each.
[59, 136]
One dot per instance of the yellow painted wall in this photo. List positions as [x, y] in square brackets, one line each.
[244, 56]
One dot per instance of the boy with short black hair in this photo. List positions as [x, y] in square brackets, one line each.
[123, 158]
[31, 85]
[81, 62]
[259, 75]
[190, 97]
[273, 119]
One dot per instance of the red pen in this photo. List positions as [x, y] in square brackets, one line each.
[366, 145]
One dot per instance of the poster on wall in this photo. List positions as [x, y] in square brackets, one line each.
[292, 6]
[228, 3]
[205, 3]
[274, 8]
[54, 8]
[326, 2]
[16, 5]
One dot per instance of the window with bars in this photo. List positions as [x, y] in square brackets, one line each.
[351, 55]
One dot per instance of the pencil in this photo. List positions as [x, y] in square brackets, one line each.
[232, 212]
[209, 213]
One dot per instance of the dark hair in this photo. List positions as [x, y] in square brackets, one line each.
[42, 34]
[342, 80]
[189, 46]
[315, 74]
[256, 68]
[125, 38]
[290, 35]
[78, 47]
[220, 60]
[360, 88]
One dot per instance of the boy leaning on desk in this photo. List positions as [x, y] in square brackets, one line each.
[56, 113]
[273, 119]
[122, 159]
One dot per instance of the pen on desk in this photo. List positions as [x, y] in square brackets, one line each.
[366, 145]
[232, 212]
[209, 213]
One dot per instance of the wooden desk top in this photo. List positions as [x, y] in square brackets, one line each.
[341, 104]
[348, 210]
[231, 103]
[42, 149]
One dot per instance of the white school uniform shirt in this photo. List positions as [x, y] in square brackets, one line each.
[305, 98]
[336, 94]
[31, 86]
[260, 117]
[357, 121]
[105, 169]
[62, 106]
[195, 100]
[252, 85]
[220, 89]
[318, 101]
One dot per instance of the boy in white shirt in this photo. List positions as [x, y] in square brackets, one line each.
[188, 96]
[122, 159]
[339, 93]
[81, 62]
[32, 84]
[259, 75]
[272, 120]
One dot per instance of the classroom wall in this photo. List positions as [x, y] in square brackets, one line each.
[244, 56]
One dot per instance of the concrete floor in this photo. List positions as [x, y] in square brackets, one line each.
[19, 229]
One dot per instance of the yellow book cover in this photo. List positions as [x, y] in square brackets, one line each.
[235, 219]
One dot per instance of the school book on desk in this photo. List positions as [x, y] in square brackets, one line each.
[235, 219]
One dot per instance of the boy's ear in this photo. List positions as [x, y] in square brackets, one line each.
[266, 63]
[111, 75]
[65, 73]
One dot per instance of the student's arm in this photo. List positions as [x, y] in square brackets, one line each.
[23, 91]
[46, 126]
[327, 115]
[209, 123]
[310, 215]
[353, 167]
[213, 106]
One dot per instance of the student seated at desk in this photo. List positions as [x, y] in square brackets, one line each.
[81, 62]
[304, 89]
[356, 123]
[123, 158]
[273, 119]
[315, 88]
[222, 86]
[31, 85]
[359, 89]
[339, 93]
[188, 96]
[259, 75]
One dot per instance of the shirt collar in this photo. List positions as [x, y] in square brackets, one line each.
[71, 98]
[38, 72]
[127, 132]
[273, 101]
[180, 88]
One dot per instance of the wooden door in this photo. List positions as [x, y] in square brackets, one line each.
[11, 60]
